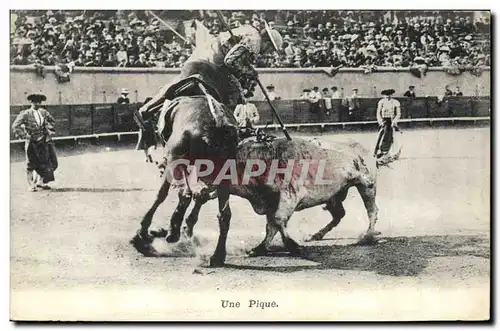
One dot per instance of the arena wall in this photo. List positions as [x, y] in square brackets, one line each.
[103, 85]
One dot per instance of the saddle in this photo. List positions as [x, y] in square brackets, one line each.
[189, 87]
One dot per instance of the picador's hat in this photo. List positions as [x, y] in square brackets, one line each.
[273, 35]
[388, 92]
[36, 97]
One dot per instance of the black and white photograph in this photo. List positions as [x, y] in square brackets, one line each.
[180, 165]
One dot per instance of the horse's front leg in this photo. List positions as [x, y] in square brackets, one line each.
[219, 256]
[174, 233]
[143, 239]
[148, 218]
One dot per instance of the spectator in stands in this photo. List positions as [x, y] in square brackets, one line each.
[444, 56]
[121, 56]
[131, 61]
[20, 60]
[141, 63]
[123, 98]
[457, 92]
[271, 94]
[411, 92]
[355, 39]
[63, 70]
[290, 49]
[110, 61]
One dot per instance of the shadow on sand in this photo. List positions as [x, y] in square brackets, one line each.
[398, 256]
[94, 189]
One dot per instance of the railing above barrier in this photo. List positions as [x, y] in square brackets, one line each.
[102, 119]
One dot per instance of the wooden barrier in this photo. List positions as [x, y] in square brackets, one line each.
[297, 126]
[100, 119]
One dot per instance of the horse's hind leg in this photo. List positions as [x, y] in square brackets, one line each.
[192, 218]
[336, 209]
[177, 217]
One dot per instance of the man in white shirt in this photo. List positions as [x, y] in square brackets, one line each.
[246, 114]
[336, 93]
[314, 98]
[388, 115]
[271, 94]
[328, 100]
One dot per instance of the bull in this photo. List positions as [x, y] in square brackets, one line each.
[346, 164]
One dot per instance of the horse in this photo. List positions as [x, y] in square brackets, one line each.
[198, 125]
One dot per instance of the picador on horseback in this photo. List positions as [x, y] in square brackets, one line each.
[232, 55]
[195, 121]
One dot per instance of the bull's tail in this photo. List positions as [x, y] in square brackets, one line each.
[394, 151]
[385, 160]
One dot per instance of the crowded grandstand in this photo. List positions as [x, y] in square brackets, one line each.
[367, 39]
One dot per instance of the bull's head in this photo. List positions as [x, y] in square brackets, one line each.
[388, 158]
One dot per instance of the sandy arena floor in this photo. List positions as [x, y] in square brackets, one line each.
[71, 257]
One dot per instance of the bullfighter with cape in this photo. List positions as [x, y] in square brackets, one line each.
[36, 126]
